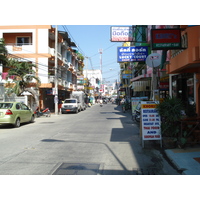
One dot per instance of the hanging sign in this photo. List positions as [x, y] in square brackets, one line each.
[121, 34]
[166, 39]
[132, 54]
[150, 120]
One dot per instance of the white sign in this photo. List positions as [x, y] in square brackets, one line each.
[121, 34]
[150, 119]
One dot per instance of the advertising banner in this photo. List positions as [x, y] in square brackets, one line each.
[166, 39]
[132, 54]
[150, 120]
[121, 34]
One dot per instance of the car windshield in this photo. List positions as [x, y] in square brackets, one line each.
[5, 105]
[70, 101]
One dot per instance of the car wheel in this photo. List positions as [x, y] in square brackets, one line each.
[17, 123]
[32, 119]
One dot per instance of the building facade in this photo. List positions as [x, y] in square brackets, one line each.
[36, 44]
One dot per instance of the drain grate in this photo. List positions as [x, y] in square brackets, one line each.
[77, 169]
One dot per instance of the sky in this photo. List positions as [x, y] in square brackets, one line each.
[90, 39]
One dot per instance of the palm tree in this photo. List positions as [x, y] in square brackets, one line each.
[24, 74]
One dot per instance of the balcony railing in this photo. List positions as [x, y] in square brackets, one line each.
[52, 52]
[20, 48]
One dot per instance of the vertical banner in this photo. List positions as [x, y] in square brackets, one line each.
[151, 122]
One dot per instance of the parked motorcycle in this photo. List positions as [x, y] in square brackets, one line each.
[45, 112]
[137, 112]
[137, 115]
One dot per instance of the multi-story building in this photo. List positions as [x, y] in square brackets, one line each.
[36, 44]
[183, 67]
[93, 80]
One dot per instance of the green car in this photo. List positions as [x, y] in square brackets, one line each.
[15, 113]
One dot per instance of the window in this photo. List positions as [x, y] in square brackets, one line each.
[23, 41]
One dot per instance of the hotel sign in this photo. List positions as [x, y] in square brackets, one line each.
[166, 39]
[132, 54]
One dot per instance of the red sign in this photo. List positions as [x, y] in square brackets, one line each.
[166, 39]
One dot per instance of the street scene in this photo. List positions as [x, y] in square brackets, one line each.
[99, 100]
[98, 141]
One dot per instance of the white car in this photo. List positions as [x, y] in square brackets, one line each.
[70, 105]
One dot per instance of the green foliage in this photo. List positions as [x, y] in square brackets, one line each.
[3, 52]
[24, 74]
[170, 112]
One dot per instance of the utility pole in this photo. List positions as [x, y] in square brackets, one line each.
[100, 52]
[56, 72]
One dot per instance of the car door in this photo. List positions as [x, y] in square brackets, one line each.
[25, 113]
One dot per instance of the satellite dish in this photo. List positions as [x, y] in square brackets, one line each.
[153, 60]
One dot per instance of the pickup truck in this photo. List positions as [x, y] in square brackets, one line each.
[70, 105]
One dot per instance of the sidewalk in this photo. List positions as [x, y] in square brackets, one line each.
[186, 160]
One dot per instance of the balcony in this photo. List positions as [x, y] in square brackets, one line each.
[25, 48]
[52, 52]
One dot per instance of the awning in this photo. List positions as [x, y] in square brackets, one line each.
[141, 77]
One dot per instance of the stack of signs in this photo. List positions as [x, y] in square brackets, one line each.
[150, 119]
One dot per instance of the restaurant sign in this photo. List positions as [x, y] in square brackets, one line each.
[150, 119]
[166, 39]
[132, 54]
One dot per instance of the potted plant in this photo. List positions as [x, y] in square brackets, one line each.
[170, 111]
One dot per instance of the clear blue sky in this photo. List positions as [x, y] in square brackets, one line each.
[91, 38]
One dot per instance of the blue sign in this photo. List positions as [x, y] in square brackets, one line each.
[132, 54]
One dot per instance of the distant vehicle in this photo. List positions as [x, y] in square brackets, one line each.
[15, 113]
[80, 96]
[70, 105]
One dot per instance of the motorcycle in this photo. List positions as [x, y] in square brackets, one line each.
[136, 116]
[45, 112]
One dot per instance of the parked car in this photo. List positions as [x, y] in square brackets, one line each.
[70, 105]
[15, 113]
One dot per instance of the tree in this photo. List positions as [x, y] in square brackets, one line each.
[3, 52]
[24, 74]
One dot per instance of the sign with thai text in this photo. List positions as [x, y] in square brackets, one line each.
[132, 54]
[166, 39]
[121, 34]
[150, 119]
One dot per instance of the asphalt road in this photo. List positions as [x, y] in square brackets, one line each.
[99, 140]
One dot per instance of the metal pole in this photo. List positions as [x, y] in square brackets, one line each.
[56, 73]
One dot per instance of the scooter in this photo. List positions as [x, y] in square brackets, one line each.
[45, 112]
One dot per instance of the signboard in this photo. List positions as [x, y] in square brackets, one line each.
[150, 120]
[121, 34]
[126, 76]
[166, 39]
[132, 54]
[135, 101]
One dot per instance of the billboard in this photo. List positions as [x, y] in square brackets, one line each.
[166, 39]
[121, 34]
[132, 54]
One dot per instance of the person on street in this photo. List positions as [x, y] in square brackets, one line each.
[122, 102]
[101, 102]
